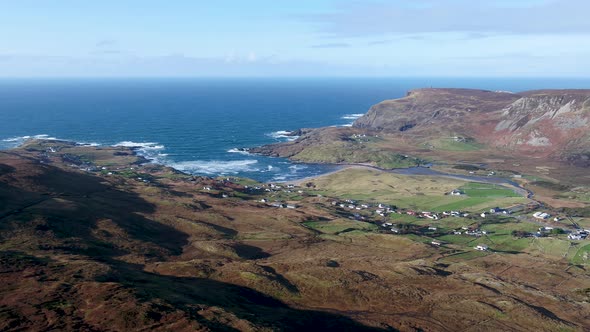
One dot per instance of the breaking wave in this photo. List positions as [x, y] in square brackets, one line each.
[283, 135]
[352, 116]
[14, 142]
[240, 151]
[149, 150]
[216, 167]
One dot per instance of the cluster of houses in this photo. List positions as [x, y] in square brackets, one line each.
[480, 247]
[579, 235]
[271, 187]
[384, 210]
[496, 210]
[470, 232]
[362, 137]
[380, 209]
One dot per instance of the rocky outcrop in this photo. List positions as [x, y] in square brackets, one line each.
[546, 122]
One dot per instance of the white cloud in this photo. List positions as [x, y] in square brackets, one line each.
[429, 16]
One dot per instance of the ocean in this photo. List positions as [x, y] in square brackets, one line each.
[199, 125]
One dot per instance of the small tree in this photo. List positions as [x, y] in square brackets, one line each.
[557, 231]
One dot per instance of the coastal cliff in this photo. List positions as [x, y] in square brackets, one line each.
[550, 124]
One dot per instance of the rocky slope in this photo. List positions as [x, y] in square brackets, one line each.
[438, 110]
[545, 123]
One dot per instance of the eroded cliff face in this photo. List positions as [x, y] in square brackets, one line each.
[545, 123]
[428, 111]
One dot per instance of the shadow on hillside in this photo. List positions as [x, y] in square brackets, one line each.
[73, 226]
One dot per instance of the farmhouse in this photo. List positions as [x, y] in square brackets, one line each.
[541, 215]
[578, 235]
[497, 210]
[481, 247]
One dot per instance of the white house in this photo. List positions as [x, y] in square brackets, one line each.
[481, 247]
[576, 237]
[541, 215]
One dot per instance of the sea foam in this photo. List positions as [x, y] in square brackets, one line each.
[216, 167]
[352, 116]
[240, 151]
[283, 135]
[149, 150]
[14, 142]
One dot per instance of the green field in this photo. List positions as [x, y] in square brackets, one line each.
[474, 189]
[582, 256]
[354, 152]
[449, 144]
[424, 193]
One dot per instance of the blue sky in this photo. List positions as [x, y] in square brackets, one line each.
[122, 38]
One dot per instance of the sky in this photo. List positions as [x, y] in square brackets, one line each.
[272, 38]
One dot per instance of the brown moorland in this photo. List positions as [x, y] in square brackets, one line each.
[92, 239]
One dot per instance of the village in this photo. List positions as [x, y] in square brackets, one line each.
[475, 229]
[393, 220]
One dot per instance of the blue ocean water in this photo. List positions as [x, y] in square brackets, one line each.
[196, 125]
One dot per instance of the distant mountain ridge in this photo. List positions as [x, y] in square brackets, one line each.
[548, 123]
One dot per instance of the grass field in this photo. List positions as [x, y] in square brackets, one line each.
[354, 152]
[414, 192]
[582, 256]
[450, 144]
[474, 189]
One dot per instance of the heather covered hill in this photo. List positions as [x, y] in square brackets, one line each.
[552, 123]
[434, 110]
[93, 239]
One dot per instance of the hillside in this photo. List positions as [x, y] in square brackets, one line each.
[542, 133]
[93, 239]
[548, 123]
[434, 111]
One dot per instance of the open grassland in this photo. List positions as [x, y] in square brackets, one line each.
[425, 193]
[354, 152]
[582, 256]
[473, 189]
[450, 144]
